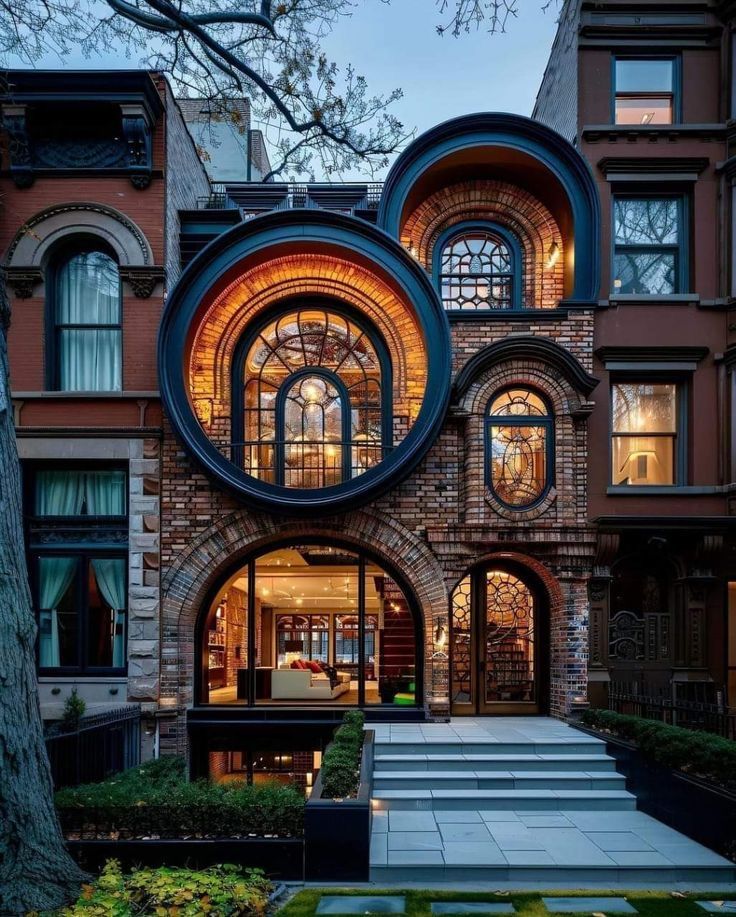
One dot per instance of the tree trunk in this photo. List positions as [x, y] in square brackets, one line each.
[36, 872]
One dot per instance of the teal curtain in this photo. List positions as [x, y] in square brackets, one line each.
[110, 576]
[72, 492]
[104, 493]
[90, 358]
[55, 577]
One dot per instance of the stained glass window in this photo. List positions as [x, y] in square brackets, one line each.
[313, 401]
[519, 444]
[509, 634]
[477, 272]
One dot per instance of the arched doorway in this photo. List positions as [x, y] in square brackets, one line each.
[313, 623]
[499, 642]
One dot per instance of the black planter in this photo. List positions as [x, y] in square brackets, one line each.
[279, 858]
[337, 833]
[703, 812]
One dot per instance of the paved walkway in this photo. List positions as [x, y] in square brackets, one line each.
[517, 799]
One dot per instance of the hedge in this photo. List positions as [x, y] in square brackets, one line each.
[699, 753]
[155, 801]
[341, 761]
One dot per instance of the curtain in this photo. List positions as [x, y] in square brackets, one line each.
[104, 493]
[55, 575]
[110, 576]
[89, 294]
[59, 493]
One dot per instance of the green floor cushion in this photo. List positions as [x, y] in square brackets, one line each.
[404, 700]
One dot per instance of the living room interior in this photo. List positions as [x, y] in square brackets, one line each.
[309, 606]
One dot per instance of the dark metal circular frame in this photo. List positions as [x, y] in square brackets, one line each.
[338, 232]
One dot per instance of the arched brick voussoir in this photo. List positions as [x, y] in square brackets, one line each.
[189, 580]
[563, 398]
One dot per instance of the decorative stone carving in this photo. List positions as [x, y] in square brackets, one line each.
[19, 149]
[143, 280]
[138, 140]
[22, 280]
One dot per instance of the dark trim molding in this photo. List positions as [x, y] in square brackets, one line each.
[351, 236]
[648, 522]
[654, 165]
[523, 135]
[656, 355]
[525, 347]
[599, 132]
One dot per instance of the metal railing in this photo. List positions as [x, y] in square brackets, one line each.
[304, 463]
[709, 717]
[253, 198]
[104, 744]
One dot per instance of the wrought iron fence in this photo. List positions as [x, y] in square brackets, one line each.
[103, 745]
[710, 717]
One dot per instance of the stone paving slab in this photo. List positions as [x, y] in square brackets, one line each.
[358, 904]
[718, 907]
[472, 907]
[588, 905]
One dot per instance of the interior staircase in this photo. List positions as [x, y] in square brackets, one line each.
[517, 800]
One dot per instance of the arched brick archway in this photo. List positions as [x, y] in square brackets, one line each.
[566, 597]
[188, 582]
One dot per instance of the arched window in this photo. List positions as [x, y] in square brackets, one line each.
[315, 406]
[86, 344]
[479, 269]
[519, 438]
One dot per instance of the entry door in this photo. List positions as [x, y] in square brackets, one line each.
[495, 645]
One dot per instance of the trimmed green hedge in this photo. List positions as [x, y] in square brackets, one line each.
[699, 753]
[341, 762]
[155, 800]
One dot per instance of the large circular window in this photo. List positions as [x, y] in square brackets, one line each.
[305, 361]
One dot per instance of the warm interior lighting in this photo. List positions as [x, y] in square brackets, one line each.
[553, 255]
[440, 633]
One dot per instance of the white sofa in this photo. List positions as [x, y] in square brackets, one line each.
[301, 684]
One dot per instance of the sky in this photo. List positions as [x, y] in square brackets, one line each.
[397, 45]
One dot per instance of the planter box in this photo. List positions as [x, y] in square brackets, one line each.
[337, 833]
[703, 812]
[279, 858]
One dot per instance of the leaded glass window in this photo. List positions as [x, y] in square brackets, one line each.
[315, 400]
[647, 245]
[477, 272]
[519, 445]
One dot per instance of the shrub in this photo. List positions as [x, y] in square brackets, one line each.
[341, 762]
[700, 753]
[221, 891]
[74, 708]
[154, 800]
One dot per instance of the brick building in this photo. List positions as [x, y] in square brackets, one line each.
[294, 448]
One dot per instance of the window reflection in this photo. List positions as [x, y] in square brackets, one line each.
[644, 433]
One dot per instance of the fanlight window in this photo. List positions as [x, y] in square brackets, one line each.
[519, 443]
[314, 401]
[477, 272]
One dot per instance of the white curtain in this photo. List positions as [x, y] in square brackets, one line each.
[89, 294]
[55, 577]
[110, 576]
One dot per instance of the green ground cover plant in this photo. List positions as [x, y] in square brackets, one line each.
[527, 904]
[220, 891]
[702, 754]
[155, 800]
[341, 762]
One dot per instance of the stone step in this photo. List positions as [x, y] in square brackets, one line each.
[518, 762]
[460, 747]
[547, 876]
[508, 799]
[500, 780]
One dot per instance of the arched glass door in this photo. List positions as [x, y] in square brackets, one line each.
[496, 645]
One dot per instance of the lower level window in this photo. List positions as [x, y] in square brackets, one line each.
[82, 612]
[644, 433]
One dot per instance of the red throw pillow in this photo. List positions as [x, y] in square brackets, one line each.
[315, 667]
[300, 664]
[295, 664]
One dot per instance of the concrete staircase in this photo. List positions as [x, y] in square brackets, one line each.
[517, 800]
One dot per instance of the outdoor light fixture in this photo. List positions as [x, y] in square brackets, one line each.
[440, 633]
[553, 254]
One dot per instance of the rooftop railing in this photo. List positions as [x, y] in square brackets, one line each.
[253, 198]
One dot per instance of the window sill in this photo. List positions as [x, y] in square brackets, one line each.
[86, 679]
[533, 314]
[648, 299]
[664, 490]
[52, 394]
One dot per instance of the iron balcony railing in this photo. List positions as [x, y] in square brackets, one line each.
[304, 463]
[254, 198]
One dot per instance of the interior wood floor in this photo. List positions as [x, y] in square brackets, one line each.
[348, 699]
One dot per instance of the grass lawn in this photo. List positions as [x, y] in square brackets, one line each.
[527, 904]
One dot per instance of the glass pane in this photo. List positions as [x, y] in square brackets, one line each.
[644, 110]
[645, 272]
[476, 272]
[461, 688]
[643, 459]
[225, 640]
[641, 221]
[644, 75]
[509, 640]
[106, 617]
[80, 493]
[89, 291]
[518, 402]
[518, 463]
[58, 614]
[90, 360]
[641, 407]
